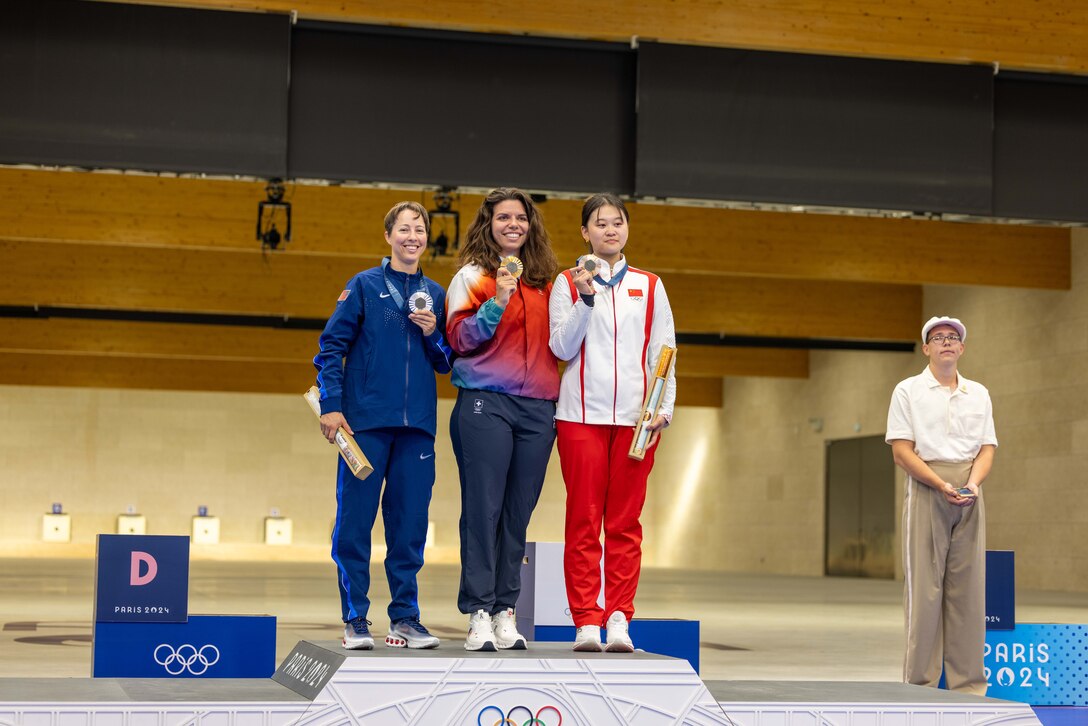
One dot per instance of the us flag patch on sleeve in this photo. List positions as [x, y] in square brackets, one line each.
[343, 296]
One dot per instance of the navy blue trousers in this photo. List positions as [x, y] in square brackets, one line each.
[502, 444]
[404, 459]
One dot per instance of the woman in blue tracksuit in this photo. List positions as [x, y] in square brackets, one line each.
[375, 371]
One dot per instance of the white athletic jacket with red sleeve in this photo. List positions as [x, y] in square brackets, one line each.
[611, 347]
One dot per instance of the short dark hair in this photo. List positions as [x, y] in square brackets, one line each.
[392, 214]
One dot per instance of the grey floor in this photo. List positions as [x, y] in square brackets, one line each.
[753, 627]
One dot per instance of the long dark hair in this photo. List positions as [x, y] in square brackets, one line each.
[480, 247]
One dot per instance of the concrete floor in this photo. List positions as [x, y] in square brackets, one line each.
[753, 627]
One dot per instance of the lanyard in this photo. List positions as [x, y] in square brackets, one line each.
[393, 291]
[615, 278]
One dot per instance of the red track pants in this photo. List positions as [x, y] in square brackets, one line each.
[606, 487]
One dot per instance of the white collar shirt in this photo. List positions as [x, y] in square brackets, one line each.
[945, 424]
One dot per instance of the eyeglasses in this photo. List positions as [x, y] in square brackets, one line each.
[938, 338]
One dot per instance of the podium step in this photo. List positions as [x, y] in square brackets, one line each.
[321, 684]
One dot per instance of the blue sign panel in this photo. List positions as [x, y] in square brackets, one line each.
[208, 646]
[141, 579]
[1039, 664]
[1000, 590]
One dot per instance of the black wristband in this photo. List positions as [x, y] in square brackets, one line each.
[587, 299]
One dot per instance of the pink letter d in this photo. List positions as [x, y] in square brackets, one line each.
[152, 568]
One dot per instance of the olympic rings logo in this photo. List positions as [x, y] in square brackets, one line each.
[507, 719]
[186, 658]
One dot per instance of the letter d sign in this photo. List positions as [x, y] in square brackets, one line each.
[152, 569]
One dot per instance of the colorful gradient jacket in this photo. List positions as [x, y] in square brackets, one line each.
[500, 350]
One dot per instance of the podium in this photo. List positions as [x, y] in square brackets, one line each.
[321, 684]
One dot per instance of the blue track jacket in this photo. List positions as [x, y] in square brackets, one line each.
[375, 365]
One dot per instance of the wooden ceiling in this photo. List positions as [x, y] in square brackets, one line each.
[137, 243]
[1040, 35]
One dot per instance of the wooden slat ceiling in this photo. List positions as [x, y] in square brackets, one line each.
[1042, 35]
[136, 243]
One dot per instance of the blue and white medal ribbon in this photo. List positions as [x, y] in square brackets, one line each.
[395, 293]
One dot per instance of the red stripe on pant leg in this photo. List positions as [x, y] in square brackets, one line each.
[583, 457]
[624, 500]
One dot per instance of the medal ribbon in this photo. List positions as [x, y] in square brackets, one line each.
[615, 278]
[394, 292]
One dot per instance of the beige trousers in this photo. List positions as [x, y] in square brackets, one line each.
[944, 563]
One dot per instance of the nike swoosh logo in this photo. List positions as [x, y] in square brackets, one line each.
[383, 294]
[425, 456]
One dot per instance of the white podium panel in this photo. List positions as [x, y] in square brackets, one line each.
[543, 597]
[320, 684]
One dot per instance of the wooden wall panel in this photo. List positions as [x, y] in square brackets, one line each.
[776, 307]
[123, 354]
[143, 210]
[172, 278]
[133, 242]
[836, 247]
[1050, 35]
[183, 374]
[306, 285]
[158, 340]
[703, 361]
[171, 374]
[278, 345]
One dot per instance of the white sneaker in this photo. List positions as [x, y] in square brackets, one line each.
[410, 633]
[587, 639]
[357, 635]
[617, 639]
[481, 633]
[507, 636]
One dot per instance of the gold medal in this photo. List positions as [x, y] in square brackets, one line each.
[513, 266]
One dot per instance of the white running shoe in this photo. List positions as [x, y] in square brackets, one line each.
[357, 635]
[481, 633]
[507, 636]
[617, 640]
[410, 633]
[587, 639]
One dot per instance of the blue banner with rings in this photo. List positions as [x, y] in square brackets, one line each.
[208, 646]
[1040, 664]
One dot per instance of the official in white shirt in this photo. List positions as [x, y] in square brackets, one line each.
[941, 429]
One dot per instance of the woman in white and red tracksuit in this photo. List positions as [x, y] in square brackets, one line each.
[610, 327]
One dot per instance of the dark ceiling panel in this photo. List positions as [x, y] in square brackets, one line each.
[448, 108]
[137, 87]
[1041, 147]
[777, 127]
